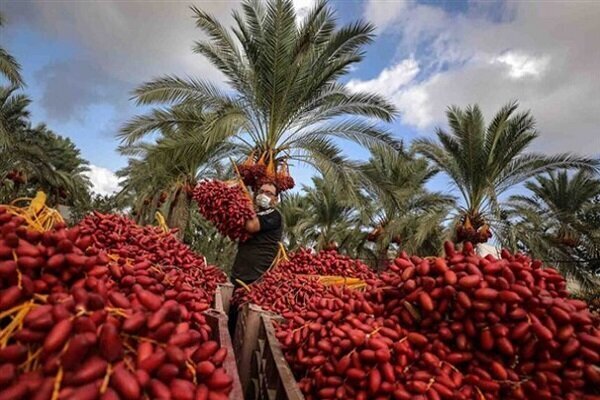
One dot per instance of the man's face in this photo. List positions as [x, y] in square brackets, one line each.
[270, 191]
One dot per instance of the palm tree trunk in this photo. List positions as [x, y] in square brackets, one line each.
[139, 214]
[172, 206]
[179, 212]
[148, 215]
[382, 258]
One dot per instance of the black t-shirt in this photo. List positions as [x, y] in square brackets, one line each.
[256, 254]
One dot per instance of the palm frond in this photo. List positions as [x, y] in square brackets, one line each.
[532, 164]
[366, 134]
[172, 90]
[10, 68]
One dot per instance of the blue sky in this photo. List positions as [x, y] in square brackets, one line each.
[81, 60]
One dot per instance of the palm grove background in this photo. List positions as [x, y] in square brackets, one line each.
[284, 96]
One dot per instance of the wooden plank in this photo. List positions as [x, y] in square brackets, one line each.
[246, 340]
[279, 376]
[218, 322]
[223, 295]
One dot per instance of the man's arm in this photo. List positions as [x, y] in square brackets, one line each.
[253, 225]
[264, 223]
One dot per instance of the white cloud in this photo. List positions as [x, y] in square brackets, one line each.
[303, 7]
[383, 13]
[396, 82]
[104, 181]
[521, 65]
[543, 57]
[415, 106]
[390, 80]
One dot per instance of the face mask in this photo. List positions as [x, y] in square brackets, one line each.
[263, 201]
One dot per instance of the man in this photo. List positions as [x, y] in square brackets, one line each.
[256, 254]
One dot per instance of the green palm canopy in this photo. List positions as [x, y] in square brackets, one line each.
[563, 196]
[404, 211]
[9, 67]
[483, 162]
[283, 99]
[14, 115]
[555, 222]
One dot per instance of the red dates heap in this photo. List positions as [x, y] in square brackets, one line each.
[77, 322]
[293, 283]
[454, 327]
[281, 292]
[227, 207]
[341, 346]
[325, 262]
[119, 235]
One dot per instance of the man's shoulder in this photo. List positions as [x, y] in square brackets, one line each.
[277, 214]
[272, 212]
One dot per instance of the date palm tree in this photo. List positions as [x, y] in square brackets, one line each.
[284, 99]
[45, 161]
[560, 196]
[404, 212]
[395, 200]
[552, 222]
[64, 173]
[330, 217]
[483, 162]
[9, 67]
[589, 243]
[293, 209]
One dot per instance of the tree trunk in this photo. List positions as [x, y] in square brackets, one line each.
[382, 258]
[171, 212]
[139, 215]
[149, 211]
[179, 212]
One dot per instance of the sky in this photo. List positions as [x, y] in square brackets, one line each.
[82, 59]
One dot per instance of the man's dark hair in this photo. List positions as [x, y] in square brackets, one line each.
[272, 184]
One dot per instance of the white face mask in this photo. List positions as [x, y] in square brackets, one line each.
[263, 201]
